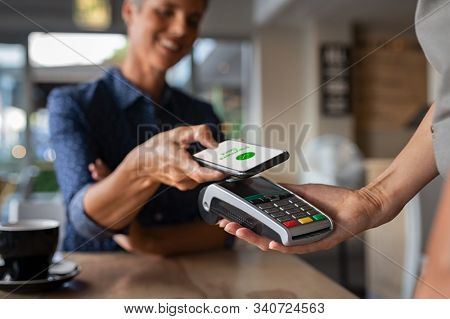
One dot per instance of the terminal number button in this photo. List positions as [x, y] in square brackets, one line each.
[272, 210]
[284, 219]
[279, 214]
[265, 205]
[299, 215]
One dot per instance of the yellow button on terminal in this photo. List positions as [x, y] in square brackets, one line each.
[305, 220]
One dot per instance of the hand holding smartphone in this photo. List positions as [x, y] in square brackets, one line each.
[240, 159]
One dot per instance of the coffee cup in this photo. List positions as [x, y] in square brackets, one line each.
[27, 248]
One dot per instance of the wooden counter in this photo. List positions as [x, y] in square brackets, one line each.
[241, 273]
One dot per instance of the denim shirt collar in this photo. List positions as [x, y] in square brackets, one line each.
[126, 94]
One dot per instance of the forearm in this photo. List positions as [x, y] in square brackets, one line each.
[435, 279]
[176, 239]
[115, 201]
[410, 171]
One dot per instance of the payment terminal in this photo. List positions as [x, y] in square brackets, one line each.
[266, 208]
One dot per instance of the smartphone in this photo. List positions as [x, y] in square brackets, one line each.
[240, 159]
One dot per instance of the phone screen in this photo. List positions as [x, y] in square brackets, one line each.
[237, 156]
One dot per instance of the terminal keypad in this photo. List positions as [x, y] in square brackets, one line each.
[288, 210]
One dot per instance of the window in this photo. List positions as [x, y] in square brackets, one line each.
[215, 72]
[12, 102]
[71, 49]
[73, 57]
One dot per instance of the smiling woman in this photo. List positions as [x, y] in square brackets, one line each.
[160, 33]
[121, 157]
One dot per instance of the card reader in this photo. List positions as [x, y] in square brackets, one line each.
[266, 208]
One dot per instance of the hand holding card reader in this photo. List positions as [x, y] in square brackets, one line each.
[266, 208]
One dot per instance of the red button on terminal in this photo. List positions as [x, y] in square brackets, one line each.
[290, 223]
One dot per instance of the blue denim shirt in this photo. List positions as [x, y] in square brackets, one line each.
[106, 119]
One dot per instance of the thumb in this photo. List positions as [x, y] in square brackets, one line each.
[323, 196]
[197, 133]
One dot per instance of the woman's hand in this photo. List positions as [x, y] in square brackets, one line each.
[164, 158]
[115, 200]
[352, 211]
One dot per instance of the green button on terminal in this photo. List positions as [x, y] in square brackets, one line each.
[318, 217]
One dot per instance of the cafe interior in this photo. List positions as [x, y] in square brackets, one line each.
[341, 84]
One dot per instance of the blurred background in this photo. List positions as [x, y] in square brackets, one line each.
[341, 84]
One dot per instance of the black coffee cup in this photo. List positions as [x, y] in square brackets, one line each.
[27, 248]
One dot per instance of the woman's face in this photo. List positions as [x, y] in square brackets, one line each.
[161, 32]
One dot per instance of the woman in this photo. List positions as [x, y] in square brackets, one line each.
[131, 123]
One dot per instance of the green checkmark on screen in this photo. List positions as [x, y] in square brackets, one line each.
[245, 156]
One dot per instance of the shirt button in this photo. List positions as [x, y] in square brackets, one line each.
[158, 217]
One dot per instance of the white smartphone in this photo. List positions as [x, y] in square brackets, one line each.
[241, 159]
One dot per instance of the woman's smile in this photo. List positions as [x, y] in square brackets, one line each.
[170, 45]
